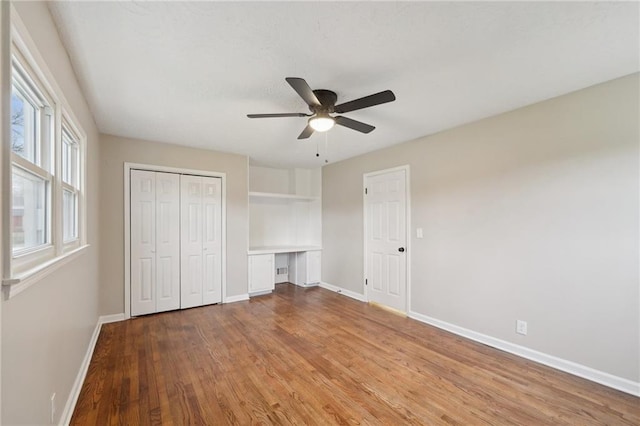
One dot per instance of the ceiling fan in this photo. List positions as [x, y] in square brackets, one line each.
[322, 103]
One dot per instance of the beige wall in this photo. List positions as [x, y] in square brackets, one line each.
[114, 152]
[530, 215]
[47, 328]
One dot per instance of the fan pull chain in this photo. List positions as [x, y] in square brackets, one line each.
[326, 147]
[317, 148]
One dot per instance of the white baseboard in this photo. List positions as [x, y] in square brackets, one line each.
[105, 319]
[238, 298]
[349, 293]
[65, 418]
[615, 382]
[260, 293]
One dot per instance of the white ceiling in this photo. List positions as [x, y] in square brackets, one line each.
[189, 72]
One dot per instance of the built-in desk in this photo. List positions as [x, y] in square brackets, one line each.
[281, 249]
[304, 267]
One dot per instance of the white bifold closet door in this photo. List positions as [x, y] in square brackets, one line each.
[155, 242]
[201, 244]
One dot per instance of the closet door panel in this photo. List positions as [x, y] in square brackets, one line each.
[168, 241]
[212, 242]
[143, 242]
[191, 241]
[192, 286]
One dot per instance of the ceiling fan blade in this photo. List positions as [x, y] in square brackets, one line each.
[366, 102]
[307, 132]
[303, 89]
[353, 124]
[290, 114]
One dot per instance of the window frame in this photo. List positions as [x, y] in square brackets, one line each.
[68, 125]
[34, 89]
[34, 82]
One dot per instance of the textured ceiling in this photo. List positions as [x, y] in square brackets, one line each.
[189, 72]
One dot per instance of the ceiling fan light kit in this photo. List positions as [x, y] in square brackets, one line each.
[322, 103]
[321, 122]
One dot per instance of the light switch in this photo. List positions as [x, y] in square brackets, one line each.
[419, 233]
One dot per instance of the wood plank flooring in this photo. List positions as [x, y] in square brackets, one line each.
[311, 356]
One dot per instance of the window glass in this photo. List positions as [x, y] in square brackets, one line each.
[69, 159]
[28, 210]
[70, 154]
[23, 127]
[70, 216]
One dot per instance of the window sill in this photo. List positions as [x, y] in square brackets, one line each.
[22, 281]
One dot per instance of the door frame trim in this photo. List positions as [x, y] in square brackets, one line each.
[407, 176]
[127, 222]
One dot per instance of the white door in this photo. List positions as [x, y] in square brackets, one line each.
[201, 272]
[212, 241]
[155, 243]
[167, 241]
[386, 216]
[143, 242]
[191, 241]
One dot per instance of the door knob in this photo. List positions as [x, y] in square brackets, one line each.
[401, 249]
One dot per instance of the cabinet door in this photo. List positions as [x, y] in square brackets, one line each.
[261, 273]
[143, 242]
[300, 277]
[314, 267]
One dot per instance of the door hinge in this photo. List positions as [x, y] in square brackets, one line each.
[366, 281]
[365, 190]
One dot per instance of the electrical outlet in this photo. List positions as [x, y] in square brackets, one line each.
[521, 327]
[53, 407]
[419, 233]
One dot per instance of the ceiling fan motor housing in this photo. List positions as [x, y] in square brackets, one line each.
[327, 100]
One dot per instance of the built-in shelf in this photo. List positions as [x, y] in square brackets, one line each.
[285, 210]
[274, 195]
[281, 249]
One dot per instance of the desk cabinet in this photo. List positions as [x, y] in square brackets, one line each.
[307, 268]
[261, 273]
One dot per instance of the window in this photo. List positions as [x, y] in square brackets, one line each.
[46, 188]
[70, 184]
[31, 142]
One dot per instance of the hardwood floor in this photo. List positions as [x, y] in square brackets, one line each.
[311, 356]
